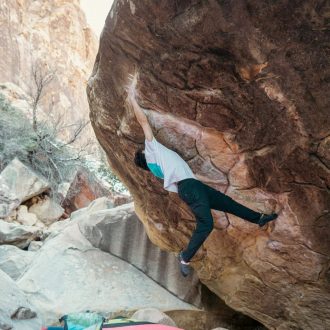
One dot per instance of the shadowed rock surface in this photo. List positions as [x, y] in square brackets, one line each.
[120, 232]
[241, 91]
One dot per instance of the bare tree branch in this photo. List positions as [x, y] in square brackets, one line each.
[41, 79]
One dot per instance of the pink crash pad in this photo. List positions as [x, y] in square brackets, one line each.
[145, 327]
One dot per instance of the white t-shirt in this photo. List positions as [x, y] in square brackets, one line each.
[166, 164]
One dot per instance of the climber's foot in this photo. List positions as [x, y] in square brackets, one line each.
[265, 218]
[185, 268]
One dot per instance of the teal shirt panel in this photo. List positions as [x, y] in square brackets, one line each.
[156, 170]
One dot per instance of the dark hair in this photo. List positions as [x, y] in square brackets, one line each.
[140, 160]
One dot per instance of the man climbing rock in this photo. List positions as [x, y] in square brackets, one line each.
[179, 178]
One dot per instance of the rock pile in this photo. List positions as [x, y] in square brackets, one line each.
[51, 267]
[23, 221]
[59, 270]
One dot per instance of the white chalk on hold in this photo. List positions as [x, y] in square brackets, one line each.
[131, 88]
[132, 7]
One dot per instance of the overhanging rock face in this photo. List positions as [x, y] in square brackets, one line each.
[239, 89]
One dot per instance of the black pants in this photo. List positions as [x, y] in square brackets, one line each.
[201, 198]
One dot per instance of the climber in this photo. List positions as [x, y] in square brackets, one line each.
[179, 178]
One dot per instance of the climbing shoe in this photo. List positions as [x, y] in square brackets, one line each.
[265, 218]
[185, 269]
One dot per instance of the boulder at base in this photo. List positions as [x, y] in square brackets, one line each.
[16, 312]
[13, 260]
[120, 232]
[16, 234]
[70, 275]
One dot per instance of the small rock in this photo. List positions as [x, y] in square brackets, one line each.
[25, 217]
[35, 245]
[153, 315]
[47, 210]
[23, 313]
[5, 326]
[40, 224]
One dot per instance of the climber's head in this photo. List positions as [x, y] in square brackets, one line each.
[140, 160]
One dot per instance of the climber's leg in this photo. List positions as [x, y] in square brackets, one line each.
[222, 202]
[194, 194]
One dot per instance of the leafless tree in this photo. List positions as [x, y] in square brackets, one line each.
[54, 155]
[41, 78]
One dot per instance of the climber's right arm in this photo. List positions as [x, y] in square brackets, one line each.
[141, 118]
[138, 111]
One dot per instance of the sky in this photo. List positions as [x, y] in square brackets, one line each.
[96, 12]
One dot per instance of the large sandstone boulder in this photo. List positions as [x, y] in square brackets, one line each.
[240, 90]
[72, 276]
[16, 312]
[22, 181]
[84, 189]
[81, 192]
[18, 235]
